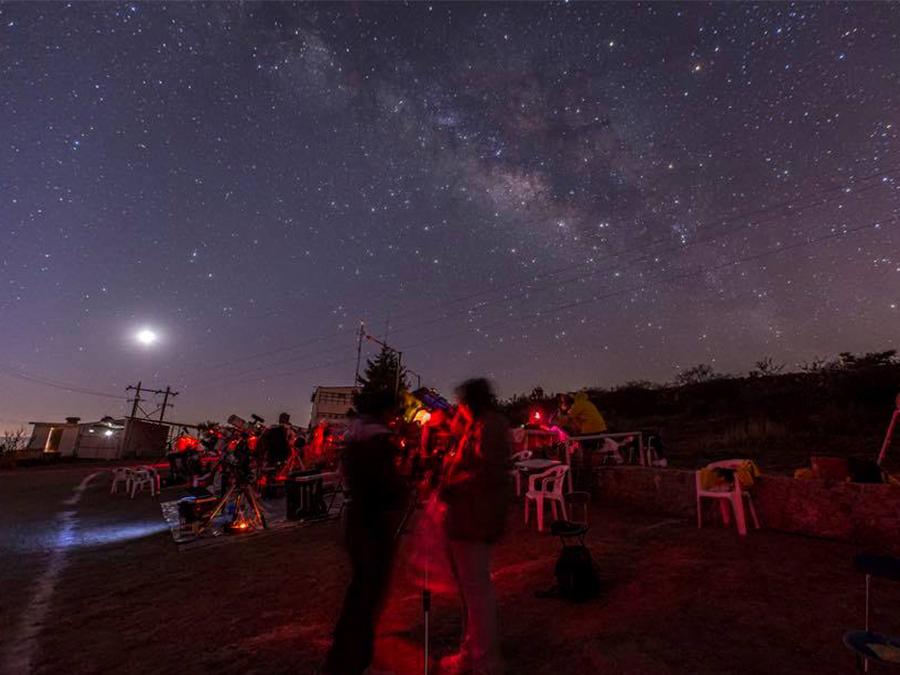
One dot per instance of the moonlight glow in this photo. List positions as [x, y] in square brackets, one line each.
[146, 337]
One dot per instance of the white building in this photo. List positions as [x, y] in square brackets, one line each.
[331, 404]
[106, 439]
[55, 437]
[74, 438]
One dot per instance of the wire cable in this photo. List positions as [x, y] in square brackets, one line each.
[22, 375]
[844, 190]
[550, 312]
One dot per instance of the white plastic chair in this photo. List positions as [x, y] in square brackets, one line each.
[552, 482]
[122, 475]
[517, 472]
[155, 475]
[141, 478]
[611, 449]
[733, 495]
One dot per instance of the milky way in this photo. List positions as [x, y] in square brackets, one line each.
[562, 195]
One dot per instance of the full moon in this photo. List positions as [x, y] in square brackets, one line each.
[146, 337]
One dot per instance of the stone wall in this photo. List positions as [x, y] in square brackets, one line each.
[865, 514]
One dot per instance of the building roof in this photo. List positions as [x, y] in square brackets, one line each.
[105, 422]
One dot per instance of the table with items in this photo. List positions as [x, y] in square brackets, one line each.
[305, 494]
[573, 444]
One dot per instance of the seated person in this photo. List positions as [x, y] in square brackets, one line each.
[580, 417]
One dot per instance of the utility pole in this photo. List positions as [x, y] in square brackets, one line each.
[148, 416]
[137, 398]
[165, 404]
[130, 423]
[362, 334]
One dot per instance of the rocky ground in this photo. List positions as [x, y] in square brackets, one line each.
[104, 589]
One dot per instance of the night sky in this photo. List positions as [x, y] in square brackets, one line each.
[562, 195]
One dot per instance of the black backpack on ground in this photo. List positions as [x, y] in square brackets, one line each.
[863, 470]
[576, 574]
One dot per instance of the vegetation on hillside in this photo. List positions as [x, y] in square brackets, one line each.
[837, 407]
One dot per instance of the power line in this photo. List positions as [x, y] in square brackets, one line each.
[555, 310]
[787, 204]
[22, 375]
[676, 249]
[291, 373]
[792, 206]
[724, 220]
[227, 376]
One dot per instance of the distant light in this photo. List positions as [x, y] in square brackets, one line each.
[108, 432]
[146, 337]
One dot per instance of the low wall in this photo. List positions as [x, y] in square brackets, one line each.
[865, 514]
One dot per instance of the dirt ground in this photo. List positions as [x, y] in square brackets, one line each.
[676, 600]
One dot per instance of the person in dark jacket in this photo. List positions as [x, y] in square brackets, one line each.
[378, 497]
[476, 489]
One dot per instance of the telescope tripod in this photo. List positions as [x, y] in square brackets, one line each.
[890, 432]
[426, 589]
[248, 512]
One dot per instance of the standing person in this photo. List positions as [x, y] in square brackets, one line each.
[275, 443]
[378, 497]
[476, 489]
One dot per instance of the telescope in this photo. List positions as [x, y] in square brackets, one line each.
[237, 422]
[430, 399]
[241, 424]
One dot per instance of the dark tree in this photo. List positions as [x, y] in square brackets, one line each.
[380, 376]
[695, 375]
[766, 367]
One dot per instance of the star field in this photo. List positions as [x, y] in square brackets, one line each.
[555, 194]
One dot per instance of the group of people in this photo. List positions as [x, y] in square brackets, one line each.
[242, 450]
[473, 490]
